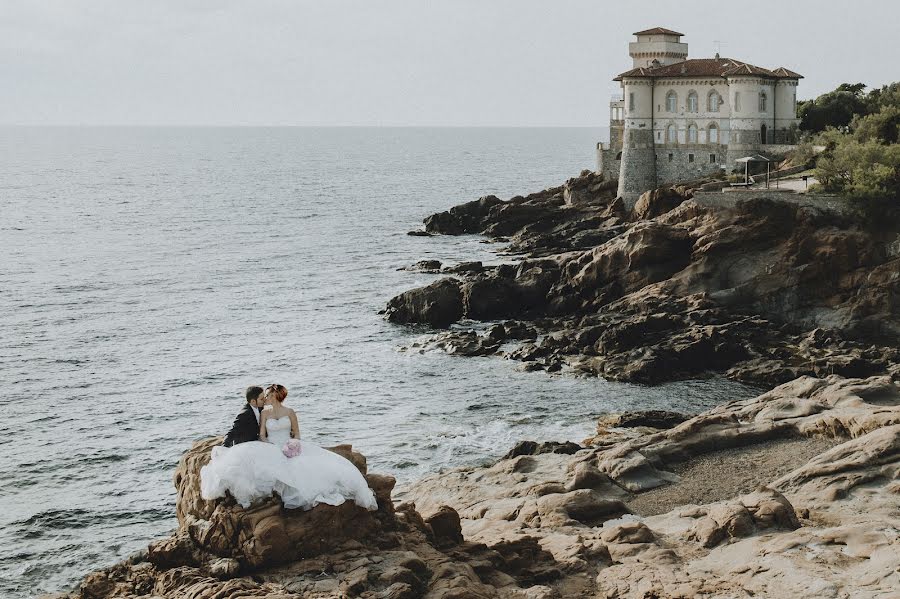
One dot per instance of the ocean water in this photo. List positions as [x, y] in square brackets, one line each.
[149, 275]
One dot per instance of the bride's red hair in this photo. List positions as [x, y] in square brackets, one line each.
[278, 392]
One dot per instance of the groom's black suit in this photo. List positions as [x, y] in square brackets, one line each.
[245, 428]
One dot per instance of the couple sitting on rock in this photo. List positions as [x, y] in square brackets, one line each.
[263, 453]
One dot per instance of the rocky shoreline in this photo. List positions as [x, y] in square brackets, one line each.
[763, 291]
[794, 493]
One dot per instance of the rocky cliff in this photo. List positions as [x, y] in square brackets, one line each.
[795, 493]
[764, 291]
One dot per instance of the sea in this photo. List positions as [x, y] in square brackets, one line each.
[149, 275]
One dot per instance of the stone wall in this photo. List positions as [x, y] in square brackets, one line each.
[608, 162]
[674, 165]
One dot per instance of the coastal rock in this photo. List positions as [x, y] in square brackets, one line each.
[679, 289]
[709, 525]
[794, 493]
[265, 551]
[438, 304]
[661, 419]
[425, 266]
[458, 343]
[264, 533]
[658, 201]
[465, 218]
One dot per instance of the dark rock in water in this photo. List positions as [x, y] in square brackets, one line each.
[459, 343]
[419, 233]
[660, 419]
[496, 333]
[465, 218]
[534, 448]
[516, 329]
[425, 266]
[465, 268]
[439, 304]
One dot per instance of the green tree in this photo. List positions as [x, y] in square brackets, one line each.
[833, 109]
[883, 126]
[865, 170]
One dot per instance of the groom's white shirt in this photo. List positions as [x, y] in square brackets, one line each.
[255, 411]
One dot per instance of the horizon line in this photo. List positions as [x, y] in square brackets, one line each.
[282, 126]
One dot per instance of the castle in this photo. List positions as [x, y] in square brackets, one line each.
[680, 119]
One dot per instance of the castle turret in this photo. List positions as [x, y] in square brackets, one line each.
[638, 169]
[657, 47]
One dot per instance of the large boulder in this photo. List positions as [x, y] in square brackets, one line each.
[656, 202]
[265, 533]
[465, 218]
[439, 304]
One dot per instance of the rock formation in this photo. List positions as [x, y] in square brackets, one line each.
[223, 551]
[763, 291]
[795, 493]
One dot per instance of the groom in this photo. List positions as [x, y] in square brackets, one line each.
[246, 425]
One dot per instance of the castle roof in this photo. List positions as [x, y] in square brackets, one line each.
[657, 31]
[787, 73]
[707, 67]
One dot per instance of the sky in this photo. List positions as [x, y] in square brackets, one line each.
[397, 62]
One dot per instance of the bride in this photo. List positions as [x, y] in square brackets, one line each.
[252, 470]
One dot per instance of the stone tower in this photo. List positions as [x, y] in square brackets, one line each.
[657, 47]
[638, 167]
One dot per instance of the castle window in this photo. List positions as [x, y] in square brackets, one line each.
[670, 134]
[712, 101]
[712, 158]
[690, 157]
[619, 156]
[692, 102]
[713, 136]
[671, 102]
[692, 134]
[631, 101]
[737, 101]
[658, 135]
[762, 101]
[671, 156]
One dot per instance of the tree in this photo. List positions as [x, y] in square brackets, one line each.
[883, 126]
[865, 170]
[833, 109]
[854, 88]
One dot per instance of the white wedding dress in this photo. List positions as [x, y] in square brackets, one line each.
[252, 470]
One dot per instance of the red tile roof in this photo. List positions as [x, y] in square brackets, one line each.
[657, 31]
[707, 67]
[787, 73]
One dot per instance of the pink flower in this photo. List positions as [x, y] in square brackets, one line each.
[291, 448]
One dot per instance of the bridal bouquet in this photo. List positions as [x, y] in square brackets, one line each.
[291, 448]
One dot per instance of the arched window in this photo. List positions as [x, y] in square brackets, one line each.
[762, 101]
[713, 134]
[737, 101]
[712, 101]
[619, 156]
[692, 102]
[692, 134]
[670, 134]
[671, 102]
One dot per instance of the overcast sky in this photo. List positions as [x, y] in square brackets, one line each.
[396, 62]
